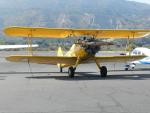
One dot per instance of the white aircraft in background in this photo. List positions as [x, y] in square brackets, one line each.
[139, 51]
[2, 47]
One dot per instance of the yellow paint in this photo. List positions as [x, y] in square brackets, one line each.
[76, 55]
[76, 51]
[60, 53]
[71, 58]
[63, 33]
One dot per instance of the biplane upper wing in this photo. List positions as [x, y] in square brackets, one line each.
[63, 33]
[54, 60]
[127, 58]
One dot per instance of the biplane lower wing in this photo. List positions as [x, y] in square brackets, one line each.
[103, 59]
[54, 60]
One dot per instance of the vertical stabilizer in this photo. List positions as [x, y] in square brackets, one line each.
[59, 52]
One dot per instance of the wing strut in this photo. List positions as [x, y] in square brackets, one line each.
[30, 52]
[129, 46]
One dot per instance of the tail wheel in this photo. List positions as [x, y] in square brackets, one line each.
[61, 69]
[71, 72]
[103, 71]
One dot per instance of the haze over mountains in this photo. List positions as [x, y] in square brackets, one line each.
[106, 14]
[142, 1]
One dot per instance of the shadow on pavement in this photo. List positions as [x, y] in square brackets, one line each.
[139, 69]
[27, 72]
[79, 76]
[91, 76]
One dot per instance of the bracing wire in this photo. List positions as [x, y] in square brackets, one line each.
[30, 69]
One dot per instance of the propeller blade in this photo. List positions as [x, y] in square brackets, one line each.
[95, 43]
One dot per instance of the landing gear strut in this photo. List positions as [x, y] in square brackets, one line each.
[71, 71]
[129, 67]
[103, 71]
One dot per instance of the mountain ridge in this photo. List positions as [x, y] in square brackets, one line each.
[97, 14]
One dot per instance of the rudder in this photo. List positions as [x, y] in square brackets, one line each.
[60, 52]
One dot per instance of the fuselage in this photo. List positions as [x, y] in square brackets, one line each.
[83, 52]
[141, 51]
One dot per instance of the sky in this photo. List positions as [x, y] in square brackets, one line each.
[143, 1]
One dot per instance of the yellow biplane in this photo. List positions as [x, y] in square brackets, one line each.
[81, 52]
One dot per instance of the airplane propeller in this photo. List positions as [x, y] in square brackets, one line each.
[94, 43]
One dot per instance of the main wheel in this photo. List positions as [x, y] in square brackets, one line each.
[103, 71]
[132, 66]
[127, 67]
[71, 72]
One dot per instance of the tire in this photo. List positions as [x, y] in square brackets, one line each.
[126, 69]
[61, 69]
[71, 72]
[133, 68]
[103, 71]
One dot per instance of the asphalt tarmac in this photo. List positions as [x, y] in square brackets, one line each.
[34, 88]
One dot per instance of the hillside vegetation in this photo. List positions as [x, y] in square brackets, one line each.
[100, 14]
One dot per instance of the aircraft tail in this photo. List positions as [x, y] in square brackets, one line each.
[60, 52]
